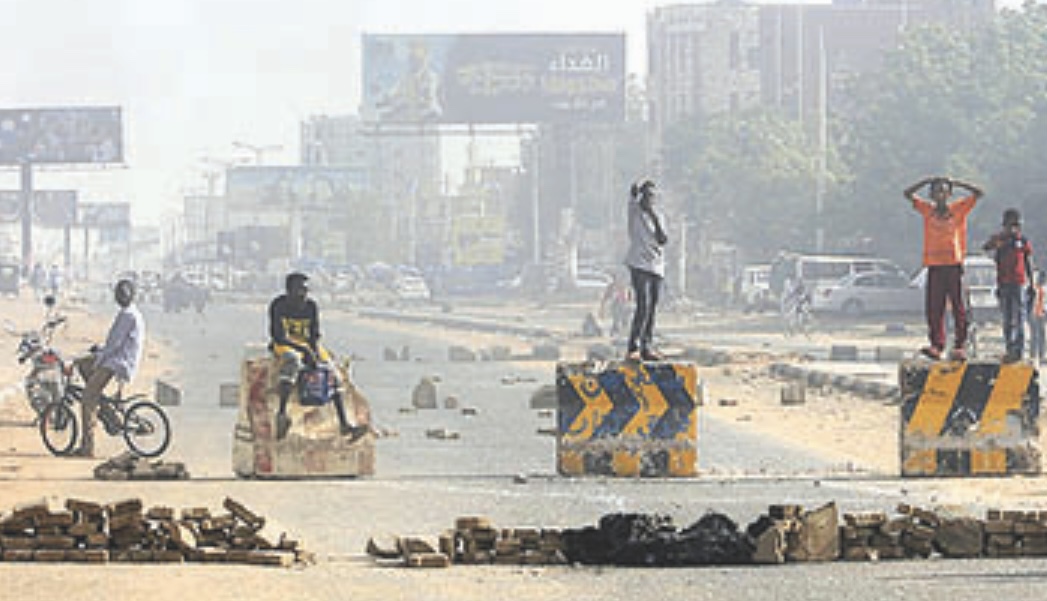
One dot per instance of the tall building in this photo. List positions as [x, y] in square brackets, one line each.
[730, 55]
[702, 59]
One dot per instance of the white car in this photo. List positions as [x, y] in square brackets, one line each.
[412, 287]
[872, 292]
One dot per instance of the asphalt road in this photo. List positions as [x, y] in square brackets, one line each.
[422, 485]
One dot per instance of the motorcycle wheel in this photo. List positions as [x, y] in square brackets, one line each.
[59, 429]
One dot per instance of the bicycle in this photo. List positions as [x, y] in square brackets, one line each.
[144, 425]
[797, 317]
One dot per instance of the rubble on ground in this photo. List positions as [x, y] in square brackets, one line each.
[784, 534]
[128, 466]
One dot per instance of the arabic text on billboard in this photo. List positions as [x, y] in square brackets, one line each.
[61, 135]
[494, 78]
[304, 186]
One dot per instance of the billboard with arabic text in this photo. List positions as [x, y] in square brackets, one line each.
[494, 78]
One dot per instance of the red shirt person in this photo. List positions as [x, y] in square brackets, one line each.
[1013, 254]
[944, 248]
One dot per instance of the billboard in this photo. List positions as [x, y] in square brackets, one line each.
[288, 186]
[477, 240]
[108, 215]
[61, 135]
[51, 208]
[494, 78]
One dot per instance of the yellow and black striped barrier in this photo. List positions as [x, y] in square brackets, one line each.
[969, 419]
[627, 419]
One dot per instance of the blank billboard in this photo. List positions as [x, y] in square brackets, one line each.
[91, 135]
[494, 78]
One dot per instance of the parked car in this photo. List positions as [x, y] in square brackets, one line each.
[411, 287]
[872, 292]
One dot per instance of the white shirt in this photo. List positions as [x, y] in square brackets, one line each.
[644, 251]
[123, 346]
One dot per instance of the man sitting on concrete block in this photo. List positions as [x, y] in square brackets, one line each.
[294, 331]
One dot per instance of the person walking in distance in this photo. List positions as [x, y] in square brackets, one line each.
[1013, 255]
[1038, 320]
[944, 248]
[119, 358]
[646, 262]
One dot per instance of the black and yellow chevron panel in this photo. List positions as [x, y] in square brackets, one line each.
[969, 419]
[627, 419]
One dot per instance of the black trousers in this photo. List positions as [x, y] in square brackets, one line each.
[646, 287]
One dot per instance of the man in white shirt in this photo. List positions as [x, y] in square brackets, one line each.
[119, 357]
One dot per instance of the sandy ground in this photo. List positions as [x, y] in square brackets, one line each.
[860, 437]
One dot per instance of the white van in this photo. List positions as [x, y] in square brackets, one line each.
[979, 274]
[821, 271]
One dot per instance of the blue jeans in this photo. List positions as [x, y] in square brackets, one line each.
[646, 286]
[1013, 310]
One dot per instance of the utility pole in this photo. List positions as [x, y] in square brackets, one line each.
[26, 169]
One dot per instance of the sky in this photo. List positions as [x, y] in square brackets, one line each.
[195, 76]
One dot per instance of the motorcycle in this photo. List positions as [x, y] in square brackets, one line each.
[45, 382]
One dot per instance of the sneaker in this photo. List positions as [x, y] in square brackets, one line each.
[931, 352]
[958, 354]
[1010, 358]
[634, 356]
[354, 433]
[652, 355]
[283, 424]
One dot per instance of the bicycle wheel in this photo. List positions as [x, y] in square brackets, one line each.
[147, 430]
[59, 428]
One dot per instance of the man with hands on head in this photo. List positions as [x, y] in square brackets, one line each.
[944, 248]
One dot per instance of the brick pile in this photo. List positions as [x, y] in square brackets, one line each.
[920, 533]
[128, 466]
[474, 541]
[126, 531]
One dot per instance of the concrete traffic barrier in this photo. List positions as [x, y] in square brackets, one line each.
[546, 352]
[460, 354]
[889, 354]
[627, 419]
[424, 394]
[168, 395]
[843, 352]
[969, 418]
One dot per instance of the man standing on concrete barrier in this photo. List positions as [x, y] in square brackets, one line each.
[944, 247]
[646, 262]
[294, 330]
[1013, 255]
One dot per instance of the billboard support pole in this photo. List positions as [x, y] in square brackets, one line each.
[26, 169]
